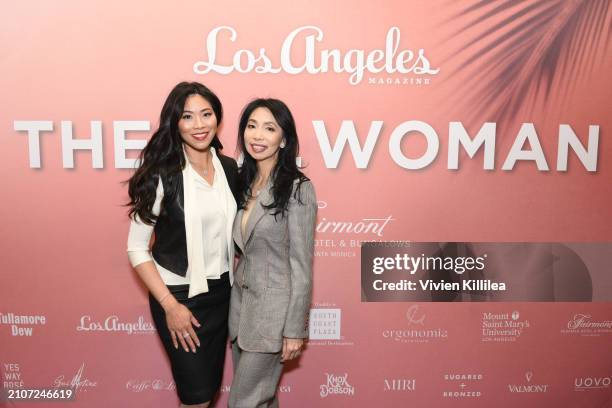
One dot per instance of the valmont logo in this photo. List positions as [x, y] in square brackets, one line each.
[355, 62]
[528, 387]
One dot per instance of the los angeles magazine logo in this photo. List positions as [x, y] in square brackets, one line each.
[114, 324]
[416, 330]
[381, 65]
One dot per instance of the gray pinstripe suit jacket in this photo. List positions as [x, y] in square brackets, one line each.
[273, 279]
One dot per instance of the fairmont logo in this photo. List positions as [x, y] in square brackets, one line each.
[113, 324]
[583, 324]
[528, 387]
[373, 226]
[388, 59]
[337, 384]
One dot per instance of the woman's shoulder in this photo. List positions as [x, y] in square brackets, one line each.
[303, 190]
[226, 160]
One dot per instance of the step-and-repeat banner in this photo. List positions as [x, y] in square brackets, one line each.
[466, 141]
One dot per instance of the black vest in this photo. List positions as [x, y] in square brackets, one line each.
[170, 246]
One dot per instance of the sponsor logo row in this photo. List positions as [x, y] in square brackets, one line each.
[455, 385]
[325, 325]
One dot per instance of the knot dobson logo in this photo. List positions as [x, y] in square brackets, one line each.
[114, 324]
[388, 60]
[337, 384]
[583, 324]
[416, 331]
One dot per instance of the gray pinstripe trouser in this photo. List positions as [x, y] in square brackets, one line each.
[256, 377]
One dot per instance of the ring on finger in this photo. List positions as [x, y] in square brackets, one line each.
[185, 335]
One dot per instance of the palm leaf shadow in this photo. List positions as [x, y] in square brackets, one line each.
[528, 47]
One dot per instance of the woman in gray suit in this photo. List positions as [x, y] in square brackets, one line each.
[274, 230]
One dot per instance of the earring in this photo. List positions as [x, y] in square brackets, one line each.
[282, 145]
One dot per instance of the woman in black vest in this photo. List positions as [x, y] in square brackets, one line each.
[184, 192]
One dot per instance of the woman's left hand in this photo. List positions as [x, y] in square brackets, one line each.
[291, 348]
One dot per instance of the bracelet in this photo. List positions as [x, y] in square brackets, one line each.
[164, 297]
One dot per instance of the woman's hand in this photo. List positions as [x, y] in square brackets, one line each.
[292, 348]
[180, 320]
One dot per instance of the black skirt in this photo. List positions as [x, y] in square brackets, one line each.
[198, 375]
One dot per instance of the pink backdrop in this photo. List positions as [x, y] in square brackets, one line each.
[64, 229]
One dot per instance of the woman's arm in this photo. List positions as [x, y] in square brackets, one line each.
[178, 317]
[302, 215]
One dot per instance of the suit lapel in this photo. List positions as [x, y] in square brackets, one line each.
[237, 232]
[257, 212]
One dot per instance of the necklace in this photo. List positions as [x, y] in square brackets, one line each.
[262, 184]
[204, 170]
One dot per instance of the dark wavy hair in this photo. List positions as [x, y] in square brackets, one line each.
[163, 155]
[286, 171]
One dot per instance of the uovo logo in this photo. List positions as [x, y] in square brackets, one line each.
[356, 62]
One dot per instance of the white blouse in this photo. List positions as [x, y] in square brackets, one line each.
[209, 215]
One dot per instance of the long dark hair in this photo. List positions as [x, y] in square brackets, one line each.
[163, 155]
[286, 171]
